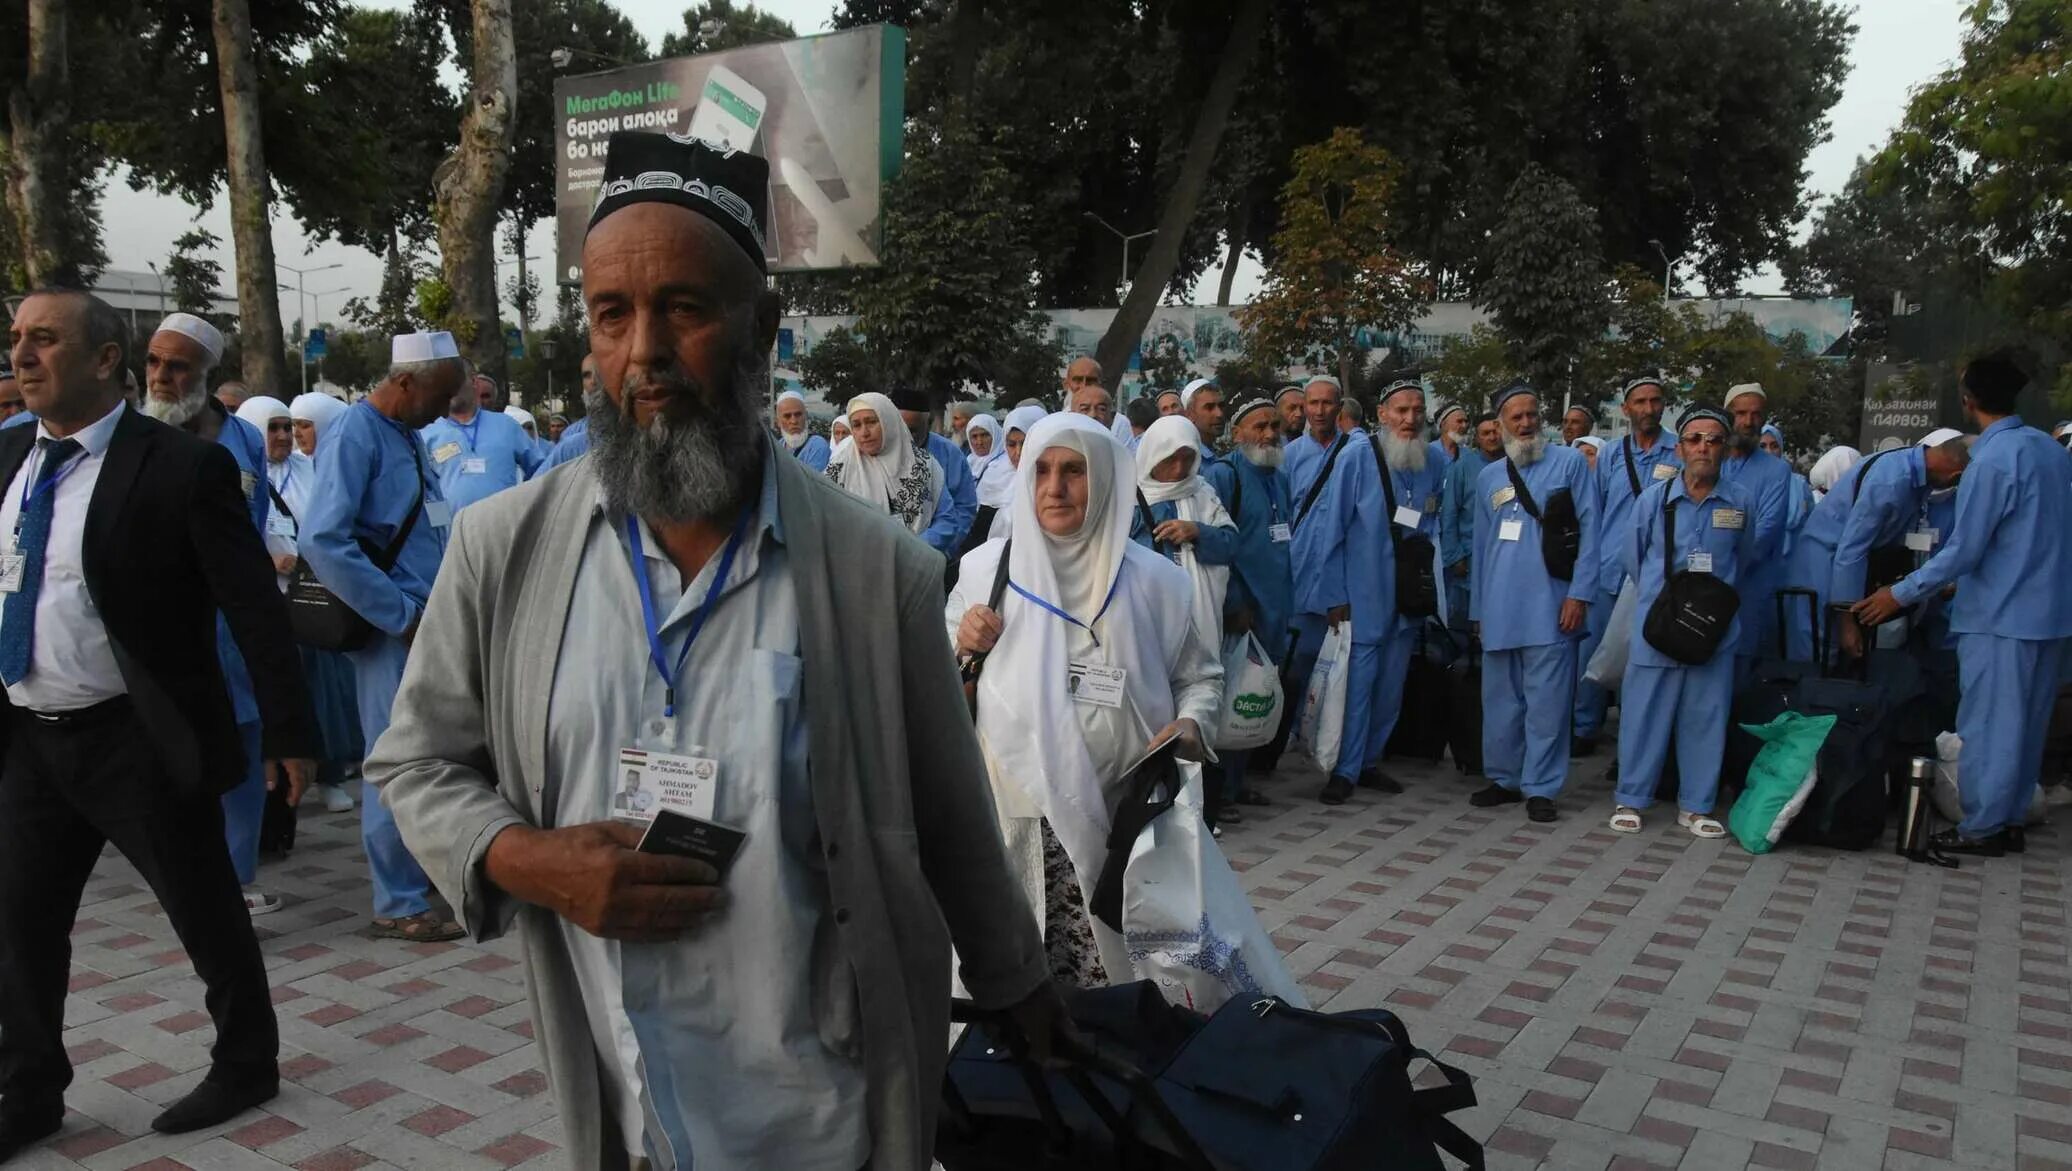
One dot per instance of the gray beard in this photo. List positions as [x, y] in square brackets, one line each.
[794, 442]
[1407, 454]
[177, 413]
[1525, 452]
[697, 467]
[1741, 444]
[1263, 455]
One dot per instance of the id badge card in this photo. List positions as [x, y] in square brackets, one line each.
[1408, 517]
[1923, 540]
[1664, 472]
[279, 526]
[439, 513]
[12, 565]
[1510, 530]
[648, 782]
[1700, 562]
[444, 452]
[474, 466]
[1280, 534]
[1096, 683]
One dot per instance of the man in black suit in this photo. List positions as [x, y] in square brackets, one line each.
[120, 540]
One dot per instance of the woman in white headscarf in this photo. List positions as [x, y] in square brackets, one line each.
[1180, 515]
[1829, 468]
[838, 430]
[312, 413]
[878, 463]
[982, 444]
[1086, 603]
[1013, 434]
[289, 475]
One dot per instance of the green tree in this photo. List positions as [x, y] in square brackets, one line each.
[50, 224]
[1471, 369]
[195, 277]
[1337, 275]
[730, 27]
[1546, 286]
[843, 364]
[394, 309]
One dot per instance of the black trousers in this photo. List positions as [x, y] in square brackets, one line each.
[65, 790]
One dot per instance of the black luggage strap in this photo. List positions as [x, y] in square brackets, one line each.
[1632, 473]
[283, 506]
[1388, 493]
[1525, 500]
[1323, 477]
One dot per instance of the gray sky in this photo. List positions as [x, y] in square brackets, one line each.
[1900, 43]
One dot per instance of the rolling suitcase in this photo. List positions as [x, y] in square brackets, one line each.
[1421, 727]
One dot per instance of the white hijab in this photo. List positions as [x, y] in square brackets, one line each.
[316, 408]
[1020, 419]
[1829, 469]
[879, 478]
[1062, 754]
[1195, 501]
[991, 426]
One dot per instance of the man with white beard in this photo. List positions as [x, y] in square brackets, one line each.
[766, 654]
[1261, 596]
[182, 352]
[1380, 497]
[806, 447]
[1530, 602]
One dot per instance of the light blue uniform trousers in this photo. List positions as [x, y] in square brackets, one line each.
[1688, 703]
[2010, 685]
[400, 885]
[1373, 699]
[1528, 696]
[244, 808]
[1592, 700]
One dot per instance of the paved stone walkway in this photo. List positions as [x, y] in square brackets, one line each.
[1621, 1001]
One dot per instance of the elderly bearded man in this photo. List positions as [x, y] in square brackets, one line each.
[808, 448]
[655, 608]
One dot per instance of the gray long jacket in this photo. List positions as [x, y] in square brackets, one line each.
[899, 791]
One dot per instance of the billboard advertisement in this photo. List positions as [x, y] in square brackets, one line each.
[826, 111]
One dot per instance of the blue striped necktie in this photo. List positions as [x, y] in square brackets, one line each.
[32, 539]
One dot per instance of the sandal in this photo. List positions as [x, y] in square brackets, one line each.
[259, 902]
[1626, 819]
[1701, 825]
[423, 927]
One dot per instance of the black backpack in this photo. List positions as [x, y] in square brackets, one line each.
[1561, 530]
[1690, 617]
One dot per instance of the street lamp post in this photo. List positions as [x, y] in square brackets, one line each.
[1126, 239]
[1668, 268]
[300, 273]
[547, 348]
[316, 318]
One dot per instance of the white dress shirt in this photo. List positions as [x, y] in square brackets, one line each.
[71, 662]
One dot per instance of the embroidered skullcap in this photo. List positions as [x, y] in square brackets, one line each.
[729, 187]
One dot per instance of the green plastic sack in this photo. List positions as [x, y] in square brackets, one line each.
[1780, 780]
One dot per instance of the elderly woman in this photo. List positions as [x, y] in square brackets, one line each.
[1086, 603]
[838, 430]
[1828, 469]
[1013, 434]
[332, 687]
[1179, 515]
[312, 413]
[878, 463]
[524, 419]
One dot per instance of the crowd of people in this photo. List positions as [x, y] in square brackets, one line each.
[898, 676]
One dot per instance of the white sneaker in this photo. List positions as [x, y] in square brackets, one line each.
[259, 902]
[336, 799]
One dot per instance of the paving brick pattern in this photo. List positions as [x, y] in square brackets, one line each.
[1623, 1002]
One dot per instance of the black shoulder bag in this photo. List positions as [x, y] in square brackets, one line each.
[1417, 584]
[320, 618]
[1316, 489]
[1632, 462]
[1690, 616]
[974, 664]
[1561, 530]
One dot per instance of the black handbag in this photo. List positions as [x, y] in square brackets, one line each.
[1149, 789]
[320, 618]
[1417, 581]
[971, 666]
[1690, 617]
[1561, 530]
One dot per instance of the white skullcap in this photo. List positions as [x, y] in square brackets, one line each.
[1588, 441]
[519, 415]
[259, 410]
[207, 336]
[1313, 379]
[1188, 391]
[792, 394]
[1754, 388]
[1942, 435]
[409, 348]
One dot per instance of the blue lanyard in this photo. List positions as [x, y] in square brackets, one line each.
[473, 429]
[656, 655]
[32, 489]
[1086, 626]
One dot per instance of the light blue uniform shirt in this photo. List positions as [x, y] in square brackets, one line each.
[1616, 489]
[2010, 550]
[369, 466]
[1766, 485]
[1216, 544]
[735, 1066]
[957, 507]
[1344, 555]
[1261, 577]
[1304, 460]
[575, 440]
[1876, 503]
[479, 458]
[1719, 525]
[248, 447]
[1441, 458]
[1457, 507]
[1514, 598]
[814, 452]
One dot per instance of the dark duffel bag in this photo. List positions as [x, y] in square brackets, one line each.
[321, 619]
[1464, 708]
[1421, 726]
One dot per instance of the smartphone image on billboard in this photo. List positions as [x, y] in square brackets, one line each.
[729, 110]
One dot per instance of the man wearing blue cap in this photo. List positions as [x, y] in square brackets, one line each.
[1536, 566]
[2009, 558]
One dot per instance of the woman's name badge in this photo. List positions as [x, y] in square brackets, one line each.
[648, 781]
[278, 525]
[1096, 683]
[1510, 530]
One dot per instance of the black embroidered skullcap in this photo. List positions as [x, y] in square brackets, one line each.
[729, 187]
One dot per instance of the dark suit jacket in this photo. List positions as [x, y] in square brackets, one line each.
[168, 543]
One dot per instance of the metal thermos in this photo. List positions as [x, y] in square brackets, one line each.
[1914, 816]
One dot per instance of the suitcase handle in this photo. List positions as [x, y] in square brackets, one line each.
[1078, 1057]
[1812, 600]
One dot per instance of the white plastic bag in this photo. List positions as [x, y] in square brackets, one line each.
[1948, 747]
[1251, 695]
[1323, 701]
[1607, 668]
[1185, 919]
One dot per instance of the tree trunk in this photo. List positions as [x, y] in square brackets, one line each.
[1234, 231]
[1156, 269]
[470, 183]
[37, 112]
[265, 363]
